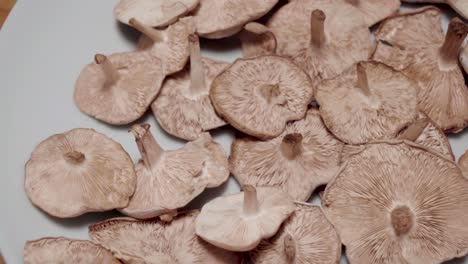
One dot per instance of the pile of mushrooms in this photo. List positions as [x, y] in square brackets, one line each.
[315, 101]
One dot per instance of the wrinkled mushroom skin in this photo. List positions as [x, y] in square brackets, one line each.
[375, 11]
[257, 40]
[463, 163]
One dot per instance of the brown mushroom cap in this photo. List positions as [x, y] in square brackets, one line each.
[259, 95]
[64, 250]
[396, 202]
[155, 242]
[375, 11]
[414, 43]
[305, 237]
[79, 171]
[240, 221]
[303, 157]
[367, 102]
[463, 163]
[257, 40]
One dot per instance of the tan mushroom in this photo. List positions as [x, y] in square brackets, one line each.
[414, 43]
[256, 40]
[460, 6]
[464, 57]
[375, 11]
[168, 180]
[463, 163]
[157, 242]
[63, 250]
[119, 88]
[183, 107]
[79, 171]
[397, 202]
[240, 221]
[303, 157]
[369, 101]
[258, 96]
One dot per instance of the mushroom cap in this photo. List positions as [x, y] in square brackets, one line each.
[264, 163]
[79, 171]
[217, 19]
[375, 11]
[463, 163]
[224, 223]
[64, 250]
[182, 114]
[158, 242]
[257, 40]
[397, 202]
[314, 240]
[154, 13]
[128, 97]
[357, 118]
[259, 95]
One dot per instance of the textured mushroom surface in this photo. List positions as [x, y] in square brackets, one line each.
[158, 242]
[414, 43]
[463, 163]
[375, 11]
[238, 222]
[390, 204]
[305, 237]
[303, 157]
[460, 6]
[79, 171]
[464, 57]
[257, 40]
[258, 96]
[118, 89]
[367, 102]
[64, 250]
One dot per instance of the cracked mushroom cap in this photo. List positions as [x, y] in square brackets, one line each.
[375, 11]
[64, 250]
[183, 108]
[397, 202]
[158, 242]
[303, 157]
[305, 237]
[118, 89]
[79, 171]
[463, 163]
[414, 43]
[170, 179]
[369, 101]
[323, 37]
[240, 221]
[257, 40]
[258, 96]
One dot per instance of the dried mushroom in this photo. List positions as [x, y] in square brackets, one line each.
[240, 221]
[375, 11]
[396, 202]
[414, 43]
[256, 40]
[369, 101]
[119, 88]
[258, 96]
[170, 179]
[183, 107]
[464, 57]
[79, 171]
[460, 6]
[303, 157]
[463, 163]
[157, 242]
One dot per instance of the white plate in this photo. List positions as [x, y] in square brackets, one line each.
[43, 46]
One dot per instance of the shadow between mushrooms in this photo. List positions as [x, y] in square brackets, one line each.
[375, 11]
[257, 40]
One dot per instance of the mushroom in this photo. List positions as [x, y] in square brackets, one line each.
[464, 58]
[463, 163]
[413, 42]
[154, 13]
[305, 237]
[155, 242]
[375, 11]
[170, 179]
[240, 221]
[303, 157]
[460, 6]
[217, 19]
[256, 40]
[323, 37]
[183, 107]
[79, 171]
[64, 250]
[397, 202]
[119, 88]
[369, 101]
[258, 96]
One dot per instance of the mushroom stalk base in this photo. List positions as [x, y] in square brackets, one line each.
[197, 73]
[269, 91]
[250, 200]
[289, 247]
[112, 75]
[362, 80]
[317, 28]
[150, 32]
[415, 130]
[353, 2]
[149, 149]
[456, 34]
[74, 157]
[291, 146]
[402, 220]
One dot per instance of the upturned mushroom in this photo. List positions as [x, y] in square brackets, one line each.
[240, 221]
[460, 6]
[375, 11]
[369, 101]
[256, 40]
[258, 96]
[118, 89]
[463, 163]
[183, 108]
[303, 157]
[397, 202]
[170, 179]
[413, 42]
[79, 171]
[64, 250]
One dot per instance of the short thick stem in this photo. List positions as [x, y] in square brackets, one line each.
[250, 200]
[402, 220]
[197, 73]
[289, 247]
[317, 28]
[291, 146]
[362, 80]
[149, 149]
[269, 91]
[74, 157]
[413, 131]
[150, 32]
[112, 75]
[456, 34]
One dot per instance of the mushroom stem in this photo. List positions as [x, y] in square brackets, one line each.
[197, 73]
[250, 200]
[150, 32]
[456, 34]
[353, 2]
[362, 80]
[112, 75]
[74, 157]
[269, 91]
[289, 247]
[259, 29]
[402, 220]
[317, 28]
[149, 149]
[291, 146]
[413, 131]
